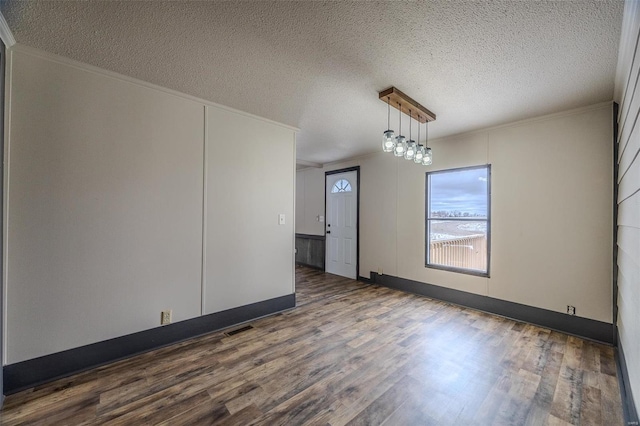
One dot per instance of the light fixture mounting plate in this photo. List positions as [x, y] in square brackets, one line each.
[396, 97]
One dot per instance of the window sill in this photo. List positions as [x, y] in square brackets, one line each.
[459, 270]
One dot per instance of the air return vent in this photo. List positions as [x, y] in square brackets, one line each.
[238, 330]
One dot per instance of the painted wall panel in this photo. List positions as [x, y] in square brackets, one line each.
[105, 207]
[629, 268]
[249, 256]
[627, 95]
[628, 301]
[628, 124]
[633, 145]
[629, 211]
[630, 181]
[629, 241]
[627, 47]
[552, 197]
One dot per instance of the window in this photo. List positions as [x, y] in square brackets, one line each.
[342, 185]
[458, 220]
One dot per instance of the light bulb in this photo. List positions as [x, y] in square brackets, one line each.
[428, 157]
[388, 141]
[410, 152]
[419, 154]
[401, 146]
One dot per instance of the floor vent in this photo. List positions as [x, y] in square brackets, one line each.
[238, 330]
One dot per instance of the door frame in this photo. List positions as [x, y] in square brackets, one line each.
[335, 172]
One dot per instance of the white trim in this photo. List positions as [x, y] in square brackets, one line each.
[96, 70]
[5, 32]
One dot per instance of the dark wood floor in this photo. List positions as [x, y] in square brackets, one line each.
[350, 353]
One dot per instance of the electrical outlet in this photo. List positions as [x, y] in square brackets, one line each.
[165, 317]
[380, 271]
[571, 310]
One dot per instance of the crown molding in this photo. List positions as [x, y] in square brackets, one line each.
[5, 32]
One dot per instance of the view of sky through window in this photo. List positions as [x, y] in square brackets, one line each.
[460, 193]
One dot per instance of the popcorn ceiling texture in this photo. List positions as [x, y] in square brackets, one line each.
[319, 66]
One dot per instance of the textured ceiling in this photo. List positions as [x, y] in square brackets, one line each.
[318, 66]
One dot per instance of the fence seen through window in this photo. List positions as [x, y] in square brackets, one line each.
[458, 220]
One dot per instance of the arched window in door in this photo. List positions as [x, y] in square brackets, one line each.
[342, 185]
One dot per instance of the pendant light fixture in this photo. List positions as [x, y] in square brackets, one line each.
[420, 148]
[428, 155]
[399, 145]
[388, 137]
[401, 142]
[427, 160]
[410, 152]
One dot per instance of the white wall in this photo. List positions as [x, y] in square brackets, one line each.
[249, 256]
[627, 95]
[551, 211]
[105, 188]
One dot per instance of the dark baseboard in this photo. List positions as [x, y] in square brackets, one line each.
[33, 372]
[582, 327]
[365, 280]
[628, 404]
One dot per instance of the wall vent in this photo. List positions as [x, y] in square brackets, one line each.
[238, 330]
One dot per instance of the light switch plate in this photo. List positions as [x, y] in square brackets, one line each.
[281, 219]
[321, 219]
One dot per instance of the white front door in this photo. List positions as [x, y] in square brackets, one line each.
[341, 224]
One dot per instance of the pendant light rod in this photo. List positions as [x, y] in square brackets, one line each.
[426, 133]
[405, 103]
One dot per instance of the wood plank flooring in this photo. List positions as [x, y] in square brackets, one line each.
[350, 353]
